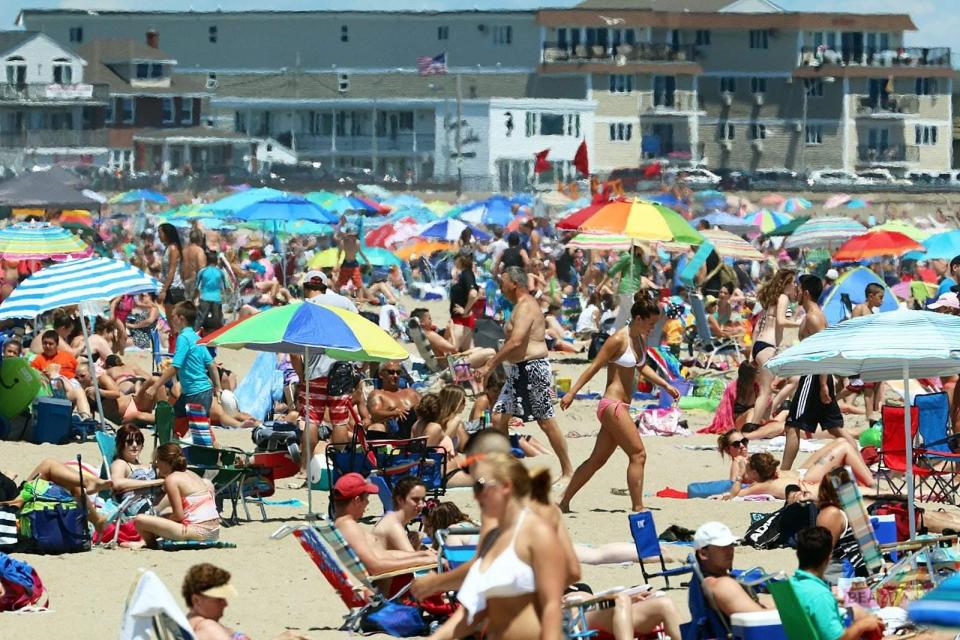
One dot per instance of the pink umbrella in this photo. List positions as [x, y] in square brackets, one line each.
[835, 201]
[773, 200]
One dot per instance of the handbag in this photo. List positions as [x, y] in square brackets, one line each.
[397, 620]
[58, 529]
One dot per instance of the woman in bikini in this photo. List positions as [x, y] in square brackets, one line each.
[131, 478]
[624, 354]
[762, 475]
[774, 296]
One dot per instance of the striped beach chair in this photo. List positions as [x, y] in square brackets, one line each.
[852, 504]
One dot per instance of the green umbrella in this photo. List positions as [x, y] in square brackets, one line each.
[789, 228]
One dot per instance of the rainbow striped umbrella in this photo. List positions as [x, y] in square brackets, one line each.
[824, 232]
[729, 245]
[901, 226]
[40, 241]
[792, 205]
[767, 220]
[600, 241]
[642, 220]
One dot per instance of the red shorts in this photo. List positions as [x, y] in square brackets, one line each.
[349, 274]
[465, 321]
[339, 406]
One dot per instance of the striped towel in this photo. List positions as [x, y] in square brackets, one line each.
[852, 505]
[8, 528]
[199, 423]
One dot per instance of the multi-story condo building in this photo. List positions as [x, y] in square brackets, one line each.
[728, 83]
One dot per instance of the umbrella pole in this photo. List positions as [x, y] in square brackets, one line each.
[92, 366]
[306, 429]
[911, 498]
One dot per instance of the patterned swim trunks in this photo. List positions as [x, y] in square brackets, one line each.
[528, 393]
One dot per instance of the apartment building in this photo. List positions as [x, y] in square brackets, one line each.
[746, 85]
[49, 111]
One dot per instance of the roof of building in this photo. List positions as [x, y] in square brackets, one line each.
[197, 134]
[193, 13]
[628, 15]
[99, 53]
[109, 51]
[13, 39]
[696, 6]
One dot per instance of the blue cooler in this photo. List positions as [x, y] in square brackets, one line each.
[53, 421]
[885, 528]
[758, 625]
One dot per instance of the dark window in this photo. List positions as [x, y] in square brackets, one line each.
[759, 39]
[156, 70]
[728, 85]
[443, 33]
[703, 37]
[76, 34]
[212, 34]
[758, 85]
[551, 124]
[143, 71]
[344, 33]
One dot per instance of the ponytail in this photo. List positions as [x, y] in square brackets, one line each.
[540, 485]
[532, 484]
[644, 305]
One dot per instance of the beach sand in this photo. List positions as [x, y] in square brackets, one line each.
[280, 588]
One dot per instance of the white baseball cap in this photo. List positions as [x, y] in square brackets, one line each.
[317, 275]
[832, 274]
[949, 300]
[714, 534]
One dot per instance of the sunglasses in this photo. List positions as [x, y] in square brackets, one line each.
[392, 372]
[134, 440]
[482, 483]
[738, 443]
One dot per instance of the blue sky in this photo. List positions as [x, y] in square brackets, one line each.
[937, 20]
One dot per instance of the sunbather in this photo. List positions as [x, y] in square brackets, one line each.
[129, 475]
[70, 478]
[409, 494]
[714, 546]
[119, 407]
[443, 346]
[763, 477]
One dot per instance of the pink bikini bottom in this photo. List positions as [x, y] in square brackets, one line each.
[617, 406]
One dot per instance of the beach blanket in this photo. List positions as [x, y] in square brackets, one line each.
[723, 419]
[773, 445]
[250, 393]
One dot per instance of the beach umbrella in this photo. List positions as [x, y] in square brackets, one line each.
[392, 233]
[285, 208]
[641, 220]
[186, 211]
[792, 205]
[727, 221]
[857, 204]
[210, 223]
[344, 204]
[600, 241]
[236, 201]
[710, 204]
[941, 606]
[902, 226]
[788, 228]
[374, 191]
[835, 201]
[766, 220]
[875, 245]
[40, 241]
[898, 345]
[326, 259]
[708, 194]
[75, 218]
[773, 200]
[423, 248]
[492, 211]
[920, 291]
[449, 229]
[439, 207]
[667, 200]
[728, 245]
[139, 196]
[578, 217]
[300, 228]
[940, 246]
[419, 214]
[322, 198]
[824, 232]
[374, 256]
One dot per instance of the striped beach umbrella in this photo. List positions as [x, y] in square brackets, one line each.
[40, 241]
[728, 245]
[139, 196]
[875, 245]
[767, 220]
[600, 241]
[642, 220]
[835, 201]
[824, 232]
[792, 205]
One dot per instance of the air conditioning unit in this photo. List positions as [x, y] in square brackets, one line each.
[212, 84]
[758, 99]
[758, 145]
[798, 127]
[726, 145]
[727, 98]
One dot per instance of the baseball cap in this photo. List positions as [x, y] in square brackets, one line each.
[949, 300]
[223, 591]
[709, 300]
[351, 485]
[314, 275]
[714, 534]
[832, 274]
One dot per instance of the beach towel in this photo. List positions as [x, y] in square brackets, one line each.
[251, 393]
[199, 423]
[670, 492]
[661, 422]
[21, 585]
[723, 419]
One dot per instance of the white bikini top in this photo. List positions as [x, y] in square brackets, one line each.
[628, 359]
[507, 576]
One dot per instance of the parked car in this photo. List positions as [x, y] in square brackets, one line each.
[733, 180]
[693, 176]
[776, 179]
[933, 178]
[830, 177]
[881, 176]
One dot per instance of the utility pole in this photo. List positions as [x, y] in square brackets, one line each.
[459, 137]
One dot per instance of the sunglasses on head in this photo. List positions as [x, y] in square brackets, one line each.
[482, 483]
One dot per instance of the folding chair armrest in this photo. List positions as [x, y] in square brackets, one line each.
[402, 572]
[604, 596]
[286, 530]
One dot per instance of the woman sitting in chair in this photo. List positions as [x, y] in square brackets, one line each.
[409, 494]
[193, 512]
[131, 478]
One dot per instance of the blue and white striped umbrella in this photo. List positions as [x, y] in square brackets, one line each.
[74, 282]
[898, 345]
[940, 607]
[819, 233]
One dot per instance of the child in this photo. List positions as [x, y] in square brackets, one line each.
[673, 328]
[211, 288]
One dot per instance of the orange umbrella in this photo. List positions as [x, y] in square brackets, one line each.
[422, 248]
[875, 245]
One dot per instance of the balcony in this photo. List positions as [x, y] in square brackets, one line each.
[889, 106]
[903, 57]
[641, 53]
[675, 151]
[54, 138]
[666, 102]
[54, 93]
[401, 142]
[887, 154]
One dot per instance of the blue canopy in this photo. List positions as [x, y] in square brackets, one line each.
[286, 208]
[851, 285]
[235, 202]
[943, 246]
[495, 210]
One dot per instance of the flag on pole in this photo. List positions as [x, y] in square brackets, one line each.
[540, 163]
[431, 66]
[580, 160]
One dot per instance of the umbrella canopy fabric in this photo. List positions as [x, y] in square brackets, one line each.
[792, 205]
[824, 232]
[237, 201]
[788, 228]
[727, 221]
[707, 194]
[492, 211]
[601, 241]
[449, 229]
[139, 195]
[74, 282]
[422, 248]
[940, 607]
[941, 246]
[186, 211]
[403, 201]
[641, 220]
[40, 241]
[578, 217]
[667, 200]
[857, 204]
[75, 217]
[286, 208]
[835, 201]
[322, 198]
[354, 203]
[375, 256]
[767, 220]
[916, 289]
[902, 226]
[340, 334]
[728, 245]
[874, 245]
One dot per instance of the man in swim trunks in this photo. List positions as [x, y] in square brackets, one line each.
[872, 391]
[528, 393]
[392, 409]
[348, 243]
[715, 545]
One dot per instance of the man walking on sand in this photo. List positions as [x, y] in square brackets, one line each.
[815, 401]
[528, 393]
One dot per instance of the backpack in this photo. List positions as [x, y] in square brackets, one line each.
[342, 379]
[51, 521]
[780, 528]
[728, 275]
[898, 509]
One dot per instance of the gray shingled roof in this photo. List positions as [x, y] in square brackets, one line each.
[693, 6]
[13, 39]
[98, 52]
[109, 51]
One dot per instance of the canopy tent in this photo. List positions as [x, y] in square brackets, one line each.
[850, 287]
[42, 190]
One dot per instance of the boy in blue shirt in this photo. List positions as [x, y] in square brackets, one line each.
[211, 288]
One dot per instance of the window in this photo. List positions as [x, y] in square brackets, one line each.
[758, 85]
[212, 34]
[813, 87]
[343, 82]
[16, 71]
[621, 83]
[926, 135]
[443, 33]
[186, 111]
[726, 131]
[530, 124]
[927, 87]
[502, 34]
[167, 110]
[759, 39]
[728, 85]
[143, 71]
[126, 110]
[62, 71]
[702, 37]
[814, 134]
[573, 125]
[758, 132]
[551, 124]
[878, 41]
[621, 132]
[156, 70]
[108, 112]
[344, 33]
[76, 34]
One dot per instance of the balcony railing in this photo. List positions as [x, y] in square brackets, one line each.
[880, 154]
[866, 57]
[563, 53]
[54, 92]
[54, 138]
[677, 151]
[403, 142]
[888, 105]
[667, 101]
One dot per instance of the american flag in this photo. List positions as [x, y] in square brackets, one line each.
[429, 66]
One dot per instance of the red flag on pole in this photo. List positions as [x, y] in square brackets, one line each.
[580, 159]
[540, 163]
[652, 170]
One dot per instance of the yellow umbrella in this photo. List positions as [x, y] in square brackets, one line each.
[640, 220]
[326, 259]
[913, 232]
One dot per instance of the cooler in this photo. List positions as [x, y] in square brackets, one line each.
[759, 625]
[52, 424]
[885, 528]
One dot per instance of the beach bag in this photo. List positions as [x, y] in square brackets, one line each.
[8, 488]
[660, 422]
[8, 528]
[898, 509]
[780, 528]
[397, 620]
[51, 521]
[596, 343]
[21, 586]
[712, 388]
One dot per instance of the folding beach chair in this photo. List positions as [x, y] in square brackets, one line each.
[796, 621]
[463, 374]
[893, 452]
[851, 503]
[115, 511]
[644, 533]
[423, 347]
[451, 556]
[705, 341]
[706, 620]
[935, 452]
[151, 611]
[344, 571]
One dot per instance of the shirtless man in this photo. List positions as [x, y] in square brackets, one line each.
[714, 545]
[528, 393]
[872, 391]
[392, 409]
[477, 356]
[351, 494]
[194, 259]
[815, 402]
[348, 244]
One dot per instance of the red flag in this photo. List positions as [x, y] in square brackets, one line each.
[541, 163]
[652, 170]
[580, 159]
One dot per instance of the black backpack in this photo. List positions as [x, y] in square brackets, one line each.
[780, 528]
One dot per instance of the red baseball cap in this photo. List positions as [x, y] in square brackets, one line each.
[351, 485]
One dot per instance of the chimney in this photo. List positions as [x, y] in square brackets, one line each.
[153, 39]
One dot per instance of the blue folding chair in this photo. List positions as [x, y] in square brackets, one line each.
[936, 454]
[705, 621]
[644, 533]
[455, 555]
